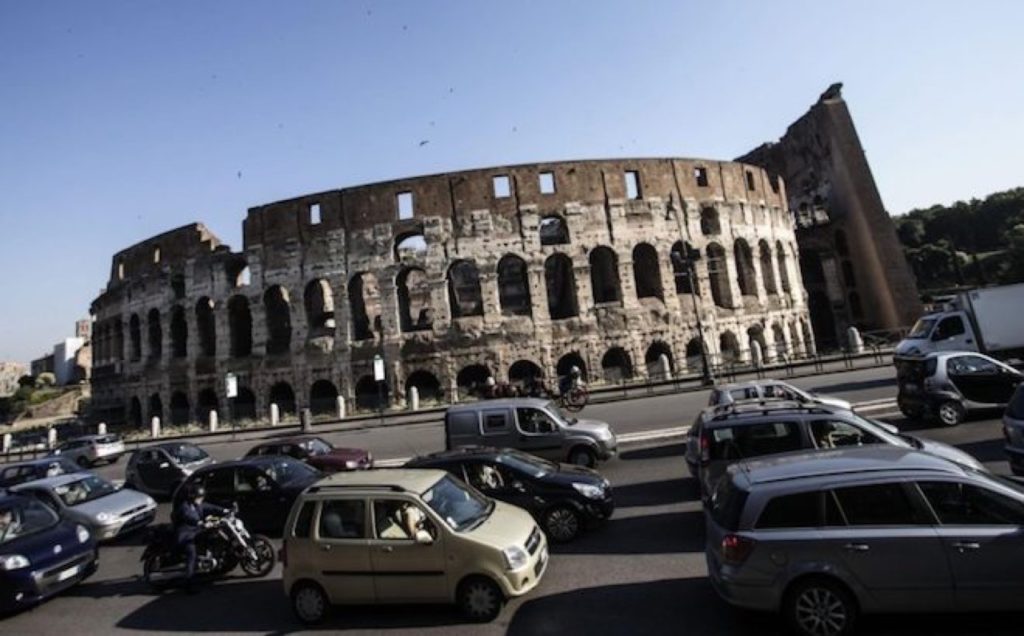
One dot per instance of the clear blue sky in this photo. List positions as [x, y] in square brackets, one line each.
[119, 120]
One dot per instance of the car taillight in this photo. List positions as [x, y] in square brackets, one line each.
[705, 447]
[282, 554]
[736, 549]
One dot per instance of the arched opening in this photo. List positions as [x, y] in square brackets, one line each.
[553, 231]
[604, 275]
[514, 286]
[156, 407]
[568, 361]
[693, 355]
[156, 334]
[472, 379]
[180, 409]
[364, 302]
[794, 338]
[647, 272]
[729, 348]
[283, 396]
[822, 319]
[656, 369]
[848, 278]
[842, 248]
[245, 404]
[680, 257]
[709, 223]
[780, 256]
[756, 343]
[464, 290]
[524, 374]
[414, 310]
[278, 314]
[135, 413]
[718, 276]
[745, 268]
[856, 311]
[805, 329]
[616, 365]
[135, 335]
[410, 245]
[427, 385]
[811, 268]
[206, 324]
[561, 287]
[319, 303]
[767, 268]
[323, 398]
[237, 273]
[779, 335]
[207, 401]
[179, 332]
[370, 395]
[240, 326]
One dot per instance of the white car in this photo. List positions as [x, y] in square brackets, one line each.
[770, 390]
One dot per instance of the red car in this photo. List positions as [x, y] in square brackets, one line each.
[316, 452]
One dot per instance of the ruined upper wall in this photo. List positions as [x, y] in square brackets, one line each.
[150, 256]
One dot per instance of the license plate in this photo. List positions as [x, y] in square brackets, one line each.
[68, 573]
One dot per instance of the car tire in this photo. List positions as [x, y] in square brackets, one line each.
[562, 524]
[950, 413]
[266, 557]
[480, 599]
[910, 413]
[310, 603]
[583, 456]
[82, 461]
[820, 607]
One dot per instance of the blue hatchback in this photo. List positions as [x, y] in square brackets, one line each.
[41, 555]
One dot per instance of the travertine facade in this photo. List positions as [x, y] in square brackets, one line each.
[511, 272]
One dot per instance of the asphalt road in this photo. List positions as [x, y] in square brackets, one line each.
[643, 572]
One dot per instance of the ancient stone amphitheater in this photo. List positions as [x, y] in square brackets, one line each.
[515, 272]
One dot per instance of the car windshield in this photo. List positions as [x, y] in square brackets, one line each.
[880, 429]
[284, 470]
[107, 439]
[88, 488]
[21, 517]
[186, 453]
[461, 508]
[317, 446]
[922, 328]
[533, 466]
[553, 409]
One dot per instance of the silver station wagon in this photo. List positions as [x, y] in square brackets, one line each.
[822, 537]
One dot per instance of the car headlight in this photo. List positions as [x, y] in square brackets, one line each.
[104, 517]
[515, 557]
[83, 533]
[589, 491]
[12, 562]
[351, 465]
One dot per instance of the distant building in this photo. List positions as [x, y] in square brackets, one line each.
[83, 329]
[9, 374]
[42, 365]
[64, 364]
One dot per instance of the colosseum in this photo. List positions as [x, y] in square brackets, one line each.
[625, 268]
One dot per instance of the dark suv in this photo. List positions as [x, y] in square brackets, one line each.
[564, 499]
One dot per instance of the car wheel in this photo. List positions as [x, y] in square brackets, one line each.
[951, 413]
[819, 607]
[264, 560]
[82, 461]
[310, 603]
[480, 599]
[562, 524]
[910, 413]
[583, 456]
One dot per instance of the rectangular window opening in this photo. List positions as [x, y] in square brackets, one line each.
[501, 187]
[750, 180]
[774, 182]
[404, 205]
[314, 214]
[547, 183]
[632, 184]
[700, 173]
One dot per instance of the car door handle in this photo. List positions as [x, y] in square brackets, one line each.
[387, 548]
[964, 546]
[857, 547]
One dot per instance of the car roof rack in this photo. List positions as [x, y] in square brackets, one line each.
[390, 487]
[772, 406]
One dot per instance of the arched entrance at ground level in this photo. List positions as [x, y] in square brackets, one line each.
[370, 396]
[757, 344]
[567, 362]
[655, 368]
[135, 413]
[809, 344]
[794, 338]
[427, 385]
[245, 405]
[206, 402]
[180, 410]
[283, 396]
[729, 348]
[524, 373]
[156, 407]
[616, 365]
[693, 355]
[822, 320]
[323, 398]
[779, 334]
[472, 379]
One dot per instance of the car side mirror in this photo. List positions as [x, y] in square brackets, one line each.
[423, 537]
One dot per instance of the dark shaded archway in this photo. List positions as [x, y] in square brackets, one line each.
[283, 396]
[206, 325]
[471, 379]
[245, 404]
[156, 407]
[553, 230]
[709, 223]
[179, 333]
[370, 395]
[647, 272]
[745, 268]
[414, 310]
[318, 301]
[718, 276]
[652, 358]
[180, 409]
[156, 334]
[464, 295]
[561, 287]
[604, 275]
[680, 257]
[767, 268]
[514, 286]
[780, 257]
[323, 398]
[240, 326]
[277, 311]
[568, 361]
[427, 385]
[364, 303]
[693, 355]
[616, 365]
[135, 336]
[135, 413]
[524, 373]
[822, 320]
[729, 348]
[206, 401]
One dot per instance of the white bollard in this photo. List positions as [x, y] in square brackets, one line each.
[154, 427]
[756, 355]
[414, 399]
[455, 392]
[664, 368]
[275, 415]
[341, 407]
[51, 438]
[213, 420]
[101, 428]
[7, 442]
[854, 340]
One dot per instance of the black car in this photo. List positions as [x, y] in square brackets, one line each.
[33, 469]
[263, 487]
[158, 470]
[563, 498]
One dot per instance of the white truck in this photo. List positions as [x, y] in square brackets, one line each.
[989, 320]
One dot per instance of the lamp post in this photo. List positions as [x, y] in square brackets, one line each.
[687, 261]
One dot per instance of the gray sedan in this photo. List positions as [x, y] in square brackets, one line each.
[107, 510]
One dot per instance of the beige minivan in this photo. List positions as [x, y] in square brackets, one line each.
[407, 536]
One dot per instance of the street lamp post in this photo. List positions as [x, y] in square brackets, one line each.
[688, 261]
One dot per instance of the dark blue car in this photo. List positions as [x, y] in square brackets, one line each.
[41, 555]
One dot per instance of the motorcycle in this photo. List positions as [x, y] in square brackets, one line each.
[223, 544]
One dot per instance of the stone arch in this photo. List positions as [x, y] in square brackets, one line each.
[318, 301]
[368, 394]
[604, 275]
[364, 303]
[553, 230]
[745, 268]
[135, 336]
[135, 413]
[427, 385]
[755, 334]
[767, 267]
[652, 358]
[278, 312]
[240, 326]
[693, 354]
[245, 404]
[568, 361]
[464, 293]
[414, 310]
[561, 287]
[647, 272]
[718, 276]
[680, 256]
[616, 365]
[729, 347]
[155, 334]
[524, 373]
[472, 378]
[283, 396]
[780, 256]
[514, 286]
[323, 398]
[206, 401]
[156, 407]
[179, 333]
[808, 337]
[180, 409]
[237, 272]
[206, 325]
[410, 245]
[779, 335]
[794, 339]
[710, 225]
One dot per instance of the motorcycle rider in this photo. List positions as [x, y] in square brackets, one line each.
[188, 519]
[573, 380]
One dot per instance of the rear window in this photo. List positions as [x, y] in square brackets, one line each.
[801, 510]
[754, 440]
[915, 369]
[727, 504]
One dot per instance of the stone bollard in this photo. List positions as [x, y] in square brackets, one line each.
[7, 443]
[854, 340]
[101, 428]
[51, 438]
[664, 367]
[213, 420]
[414, 399]
[455, 392]
[275, 415]
[307, 421]
[341, 407]
[756, 355]
[154, 427]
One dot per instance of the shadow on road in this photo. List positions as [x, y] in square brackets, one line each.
[655, 452]
[990, 450]
[665, 533]
[907, 424]
[657, 493]
[856, 386]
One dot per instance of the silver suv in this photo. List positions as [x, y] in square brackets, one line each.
[822, 537]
